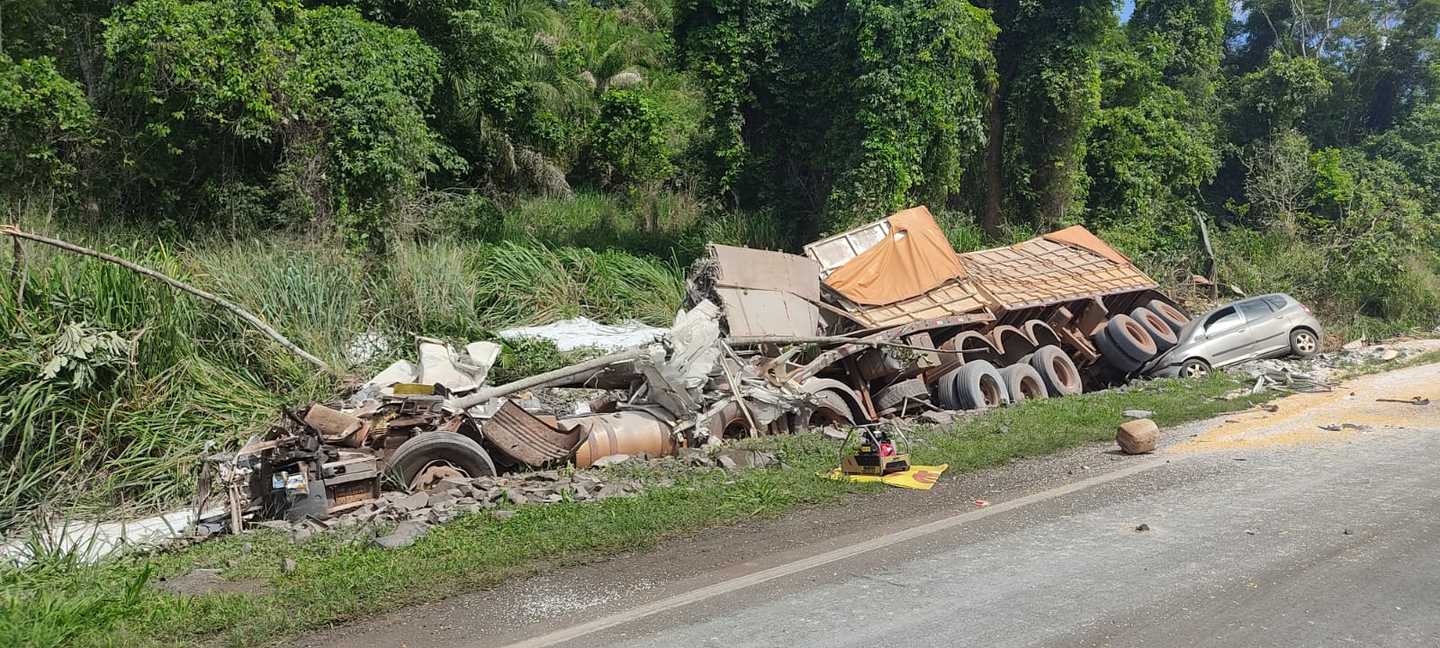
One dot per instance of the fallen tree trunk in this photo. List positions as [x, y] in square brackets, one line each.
[250, 318]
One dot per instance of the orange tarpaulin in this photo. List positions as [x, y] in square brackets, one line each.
[915, 258]
[1078, 236]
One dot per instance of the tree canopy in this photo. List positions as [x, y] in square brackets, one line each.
[1315, 122]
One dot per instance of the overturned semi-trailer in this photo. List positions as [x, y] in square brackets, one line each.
[1043, 317]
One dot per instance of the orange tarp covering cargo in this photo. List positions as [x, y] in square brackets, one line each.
[1078, 236]
[914, 259]
[1058, 267]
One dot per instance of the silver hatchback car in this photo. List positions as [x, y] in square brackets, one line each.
[1268, 326]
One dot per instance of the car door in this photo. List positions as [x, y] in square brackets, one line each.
[1220, 345]
[1265, 331]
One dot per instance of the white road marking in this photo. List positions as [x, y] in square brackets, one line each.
[835, 555]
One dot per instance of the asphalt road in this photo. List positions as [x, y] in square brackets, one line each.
[1264, 529]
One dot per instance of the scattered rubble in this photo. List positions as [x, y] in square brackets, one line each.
[405, 517]
[404, 534]
[1325, 367]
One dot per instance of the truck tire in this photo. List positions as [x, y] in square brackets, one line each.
[1058, 371]
[876, 364]
[429, 449]
[1170, 314]
[831, 410]
[898, 393]
[1157, 327]
[1112, 355]
[978, 385]
[945, 395]
[1130, 338]
[1023, 382]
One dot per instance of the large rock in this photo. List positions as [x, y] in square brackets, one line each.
[411, 502]
[736, 459]
[404, 535]
[1137, 436]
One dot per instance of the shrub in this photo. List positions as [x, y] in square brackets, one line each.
[44, 121]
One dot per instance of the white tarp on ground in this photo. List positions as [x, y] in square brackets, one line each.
[583, 332]
[91, 541]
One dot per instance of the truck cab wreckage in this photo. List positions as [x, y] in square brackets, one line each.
[880, 321]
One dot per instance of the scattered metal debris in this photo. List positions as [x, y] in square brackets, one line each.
[1413, 400]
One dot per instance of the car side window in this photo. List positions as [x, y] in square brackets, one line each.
[1254, 309]
[1276, 302]
[1223, 320]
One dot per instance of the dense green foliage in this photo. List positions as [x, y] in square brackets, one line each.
[347, 118]
[451, 166]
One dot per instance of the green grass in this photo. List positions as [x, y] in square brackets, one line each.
[338, 579]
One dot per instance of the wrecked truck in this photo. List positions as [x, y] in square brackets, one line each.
[886, 319]
[897, 317]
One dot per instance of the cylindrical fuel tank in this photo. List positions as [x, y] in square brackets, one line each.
[631, 433]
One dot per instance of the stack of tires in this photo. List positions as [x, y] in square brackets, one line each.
[1127, 342]
[978, 384]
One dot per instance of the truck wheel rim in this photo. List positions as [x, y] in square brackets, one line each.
[1030, 388]
[990, 391]
[1062, 372]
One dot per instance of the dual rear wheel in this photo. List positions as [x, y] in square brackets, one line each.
[978, 384]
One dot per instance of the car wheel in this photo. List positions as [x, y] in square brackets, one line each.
[978, 385]
[1157, 327]
[1023, 382]
[433, 454]
[1058, 371]
[1303, 343]
[1194, 368]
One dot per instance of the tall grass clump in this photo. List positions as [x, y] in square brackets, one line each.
[654, 224]
[534, 283]
[429, 288]
[313, 299]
